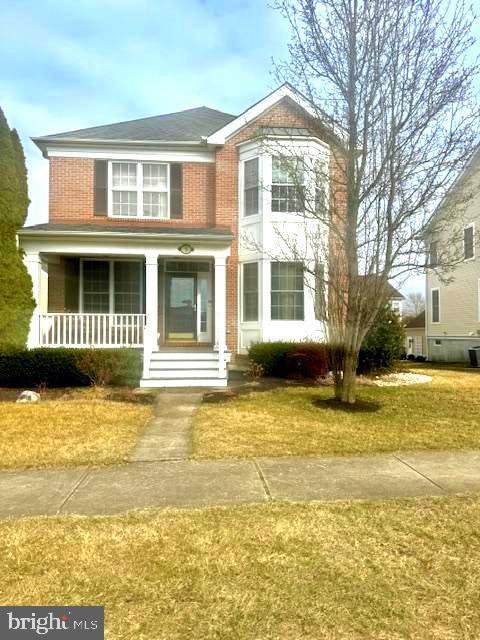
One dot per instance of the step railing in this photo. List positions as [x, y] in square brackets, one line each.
[91, 329]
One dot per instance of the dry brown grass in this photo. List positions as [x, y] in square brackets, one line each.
[443, 415]
[76, 427]
[376, 571]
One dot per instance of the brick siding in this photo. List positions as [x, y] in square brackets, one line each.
[71, 195]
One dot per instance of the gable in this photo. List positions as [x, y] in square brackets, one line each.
[292, 109]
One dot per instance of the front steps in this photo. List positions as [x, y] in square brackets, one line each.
[170, 369]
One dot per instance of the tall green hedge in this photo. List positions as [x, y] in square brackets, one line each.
[69, 367]
[16, 302]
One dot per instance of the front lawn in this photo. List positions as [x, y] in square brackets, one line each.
[443, 414]
[91, 426]
[399, 569]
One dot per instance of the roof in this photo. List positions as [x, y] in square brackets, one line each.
[418, 322]
[109, 229]
[394, 294]
[190, 125]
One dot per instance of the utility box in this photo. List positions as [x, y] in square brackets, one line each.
[474, 354]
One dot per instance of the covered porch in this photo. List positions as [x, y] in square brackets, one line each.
[164, 294]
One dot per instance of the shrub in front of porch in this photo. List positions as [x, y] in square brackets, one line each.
[69, 367]
[308, 360]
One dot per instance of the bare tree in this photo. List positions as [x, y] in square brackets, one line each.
[414, 303]
[396, 80]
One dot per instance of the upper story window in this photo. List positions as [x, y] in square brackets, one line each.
[287, 185]
[139, 189]
[251, 187]
[469, 242]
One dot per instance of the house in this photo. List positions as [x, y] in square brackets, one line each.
[162, 235]
[415, 339]
[396, 299]
[453, 295]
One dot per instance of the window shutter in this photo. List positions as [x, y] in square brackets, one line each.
[176, 204]
[100, 188]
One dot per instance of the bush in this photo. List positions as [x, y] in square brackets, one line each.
[420, 359]
[69, 367]
[383, 343]
[307, 360]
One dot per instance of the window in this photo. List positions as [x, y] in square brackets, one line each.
[433, 254]
[321, 196]
[469, 242]
[112, 286]
[435, 305]
[437, 343]
[139, 189]
[320, 292]
[126, 287]
[96, 286]
[287, 291]
[250, 292]
[396, 306]
[287, 185]
[250, 187]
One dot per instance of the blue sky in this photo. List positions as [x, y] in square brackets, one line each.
[69, 64]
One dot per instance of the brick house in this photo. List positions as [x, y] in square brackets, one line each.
[162, 235]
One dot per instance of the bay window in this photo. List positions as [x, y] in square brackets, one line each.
[250, 291]
[287, 297]
[251, 187]
[139, 189]
[287, 185]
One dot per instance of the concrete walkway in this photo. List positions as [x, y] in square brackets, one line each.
[167, 436]
[192, 483]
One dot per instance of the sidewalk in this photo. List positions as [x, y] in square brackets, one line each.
[140, 485]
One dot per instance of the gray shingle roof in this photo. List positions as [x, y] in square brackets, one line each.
[98, 227]
[183, 126]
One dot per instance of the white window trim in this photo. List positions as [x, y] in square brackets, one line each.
[242, 305]
[431, 304]
[138, 190]
[111, 283]
[469, 226]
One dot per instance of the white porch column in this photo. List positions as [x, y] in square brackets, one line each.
[151, 307]
[221, 312]
[34, 267]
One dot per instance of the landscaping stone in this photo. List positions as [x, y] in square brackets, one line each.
[28, 396]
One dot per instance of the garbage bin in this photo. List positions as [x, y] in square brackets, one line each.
[474, 354]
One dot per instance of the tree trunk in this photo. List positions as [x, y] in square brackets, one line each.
[349, 381]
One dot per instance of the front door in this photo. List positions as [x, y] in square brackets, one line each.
[181, 307]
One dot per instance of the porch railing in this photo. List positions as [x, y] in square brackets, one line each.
[91, 329]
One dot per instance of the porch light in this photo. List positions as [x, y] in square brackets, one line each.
[185, 249]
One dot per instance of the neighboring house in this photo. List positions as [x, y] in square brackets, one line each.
[396, 300]
[415, 339]
[145, 244]
[453, 308]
